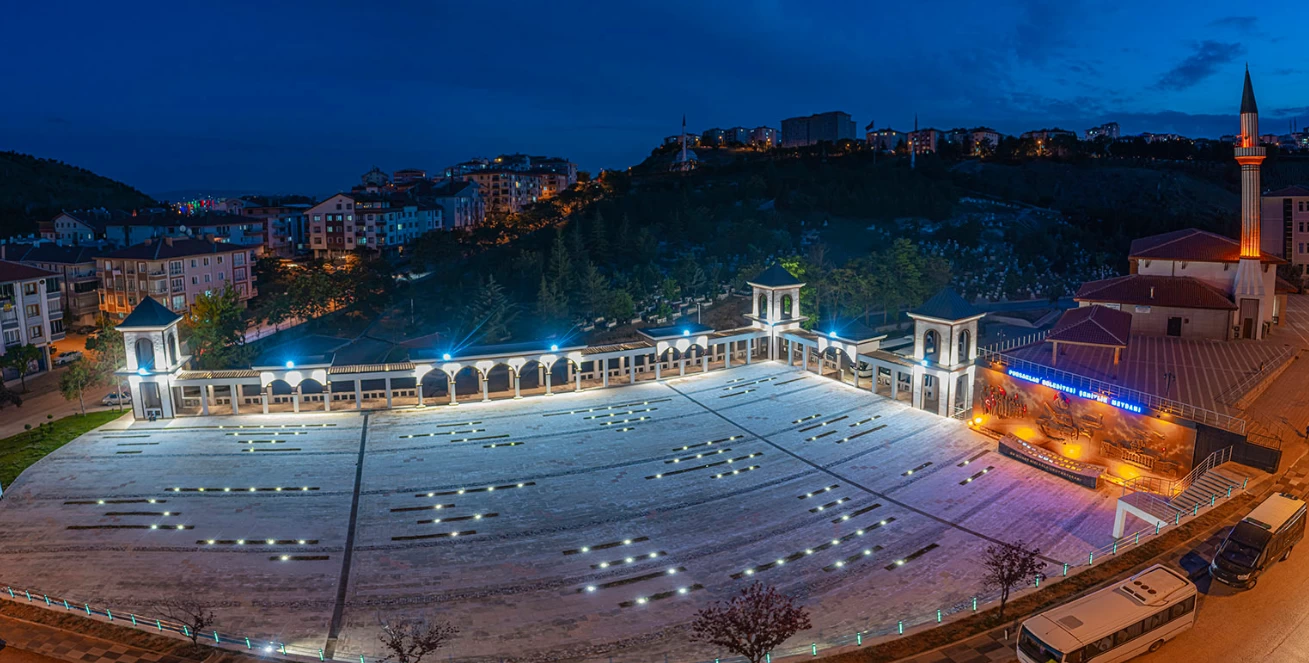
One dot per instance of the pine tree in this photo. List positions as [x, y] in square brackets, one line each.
[492, 311]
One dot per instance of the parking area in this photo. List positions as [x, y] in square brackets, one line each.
[575, 527]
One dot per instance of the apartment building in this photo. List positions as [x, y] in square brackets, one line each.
[924, 141]
[173, 272]
[1107, 130]
[764, 137]
[72, 229]
[345, 223]
[285, 227]
[460, 201]
[507, 191]
[122, 231]
[75, 266]
[984, 140]
[885, 140]
[830, 127]
[31, 312]
[1284, 226]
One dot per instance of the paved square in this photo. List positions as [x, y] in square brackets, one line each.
[573, 527]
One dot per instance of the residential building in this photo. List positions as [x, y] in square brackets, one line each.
[31, 311]
[1159, 138]
[460, 201]
[765, 137]
[73, 229]
[1047, 135]
[692, 140]
[1107, 130]
[75, 266]
[1284, 228]
[984, 140]
[174, 272]
[346, 222]
[963, 138]
[924, 141]
[828, 127]
[407, 175]
[375, 179]
[885, 140]
[510, 182]
[285, 227]
[121, 231]
[507, 191]
[230, 206]
[713, 137]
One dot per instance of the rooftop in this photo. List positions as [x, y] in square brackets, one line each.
[1149, 290]
[1192, 245]
[12, 271]
[946, 305]
[1093, 325]
[169, 247]
[775, 277]
[1293, 191]
[149, 313]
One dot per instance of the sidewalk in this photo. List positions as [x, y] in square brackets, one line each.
[66, 646]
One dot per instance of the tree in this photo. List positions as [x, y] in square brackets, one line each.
[216, 329]
[189, 612]
[20, 358]
[410, 641]
[7, 396]
[752, 624]
[492, 311]
[620, 307]
[79, 377]
[1009, 565]
[107, 345]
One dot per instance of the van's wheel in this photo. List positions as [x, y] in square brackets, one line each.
[1154, 647]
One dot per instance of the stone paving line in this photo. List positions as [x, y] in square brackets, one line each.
[74, 647]
[997, 645]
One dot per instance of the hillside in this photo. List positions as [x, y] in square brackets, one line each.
[34, 189]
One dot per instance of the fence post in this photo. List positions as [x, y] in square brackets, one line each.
[216, 636]
[110, 614]
[1090, 558]
[1065, 573]
[900, 627]
[133, 618]
[158, 625]
[975, 601]
[938, 616]
[320, 654]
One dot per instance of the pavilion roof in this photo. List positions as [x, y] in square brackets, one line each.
[947, 305]
[776, 276]
[1093, 325]
[1150, 290]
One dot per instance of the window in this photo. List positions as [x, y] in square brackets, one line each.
[206, 262]
[238, 274]
[179, 284]
[33, 310]
[238, 259]
[220, 260]
[35, 332]
[195, 280]
[11, 337]
[179, 301]
[56, 326]
[175, 267]
[206, 278]
[193, 263]
[222, 276]
[29, 288]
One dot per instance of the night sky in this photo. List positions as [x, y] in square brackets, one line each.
[305, 96]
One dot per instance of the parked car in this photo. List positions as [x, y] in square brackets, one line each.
[67, 357]
[113, 399]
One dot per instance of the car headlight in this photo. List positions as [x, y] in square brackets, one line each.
[1244, 576]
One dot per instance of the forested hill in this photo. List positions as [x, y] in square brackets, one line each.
[33, 189]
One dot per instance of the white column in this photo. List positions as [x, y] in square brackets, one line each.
[388, 393]
[517, 380]
[748, 343]
[485, 386]
[631, 368]
[295, 398]
[236, 398]
[547, 384]
[705, 361]
[895, 382]
[419, 386]
[681, 363]
[577, 376]
[604, 371]
[657, 363]
[450, 379]
[359, 394]
[728, 356]
[205, 395]
[263, 400]
[327, 396]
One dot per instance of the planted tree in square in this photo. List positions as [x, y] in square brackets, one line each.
[20, 358]
[409, 641]
[188, 612]
[753, 623]
[1009, 565]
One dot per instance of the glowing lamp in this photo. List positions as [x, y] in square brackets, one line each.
[686, 332]
[554, 348]
[446, 356]
[924, 362]
[142, 371]
[831, 334]
[290, 364]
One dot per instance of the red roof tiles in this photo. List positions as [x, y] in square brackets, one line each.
[1191, 245]
[1093, 325]
[1148, 290]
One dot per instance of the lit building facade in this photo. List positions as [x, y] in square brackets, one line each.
[174, 272]
[831, 127]
[31, 311]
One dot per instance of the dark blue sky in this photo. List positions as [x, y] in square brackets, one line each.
[282, 96]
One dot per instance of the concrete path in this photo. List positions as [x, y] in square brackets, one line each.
[37, 643]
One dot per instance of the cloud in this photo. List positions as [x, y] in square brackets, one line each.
[1207, 58]
[1241, 24]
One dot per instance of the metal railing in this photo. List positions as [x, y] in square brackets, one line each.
[1173, 487]
[1157, 403]
[1009, 344]
[1240, 389]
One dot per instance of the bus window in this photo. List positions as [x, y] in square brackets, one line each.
[1128, 634]
[1181, 608]
[1037, 650]
[1156, 620]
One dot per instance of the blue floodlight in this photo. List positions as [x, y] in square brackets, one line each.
[446, 356]
[290, 364]
[831, 334]
[924, 362]
[686, 332]
[143, 371]
[554, 348]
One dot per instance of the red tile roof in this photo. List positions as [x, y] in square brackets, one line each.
[12, 271]
[1093, 325]
[1148, 290]
[1192, 245]
[1293, 191]
[1285, 287]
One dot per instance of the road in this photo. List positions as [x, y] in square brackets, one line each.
[42, 398]
[1267, 623]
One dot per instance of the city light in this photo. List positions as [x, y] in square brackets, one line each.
[554, 348]
[446, 356]
[290, 364]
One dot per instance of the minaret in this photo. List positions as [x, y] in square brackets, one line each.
[1248, 288]
[913, 149]
[684, 132]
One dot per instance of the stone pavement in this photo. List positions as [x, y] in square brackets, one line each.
[997, 646]
[66, 646]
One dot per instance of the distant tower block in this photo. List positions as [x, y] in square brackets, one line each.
[1249, 293]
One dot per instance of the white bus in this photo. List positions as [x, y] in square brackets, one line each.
[1113, 624]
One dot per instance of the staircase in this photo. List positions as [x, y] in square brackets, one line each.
[1160, 503]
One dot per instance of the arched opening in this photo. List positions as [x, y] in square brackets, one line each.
[145, 353]
[170, 343]
[931, 344]
[531, 375]
[836, 364]
[763, 306]
[499, 378]
[787, 303]
[965, 347]
[962, 399]
[435, 384]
